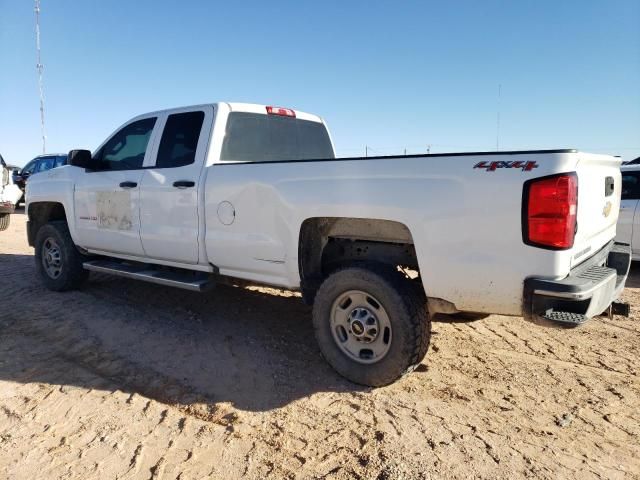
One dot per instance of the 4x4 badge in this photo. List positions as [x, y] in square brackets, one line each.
[493, 166]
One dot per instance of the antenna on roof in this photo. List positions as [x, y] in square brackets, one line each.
[40, 67]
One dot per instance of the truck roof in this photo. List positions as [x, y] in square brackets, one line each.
[242, 107]
[630, 167]
[262, 109]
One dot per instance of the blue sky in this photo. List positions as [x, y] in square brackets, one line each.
[390, 75]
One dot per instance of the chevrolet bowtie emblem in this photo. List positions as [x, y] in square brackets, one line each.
[607, 209]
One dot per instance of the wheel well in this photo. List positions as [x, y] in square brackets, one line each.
[328, 243]
[42, 213]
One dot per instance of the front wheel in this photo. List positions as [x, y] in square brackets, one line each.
[58, 261]
[371, 324]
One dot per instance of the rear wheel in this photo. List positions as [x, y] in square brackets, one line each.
[5, 218]
[371, 324]
[58, 261]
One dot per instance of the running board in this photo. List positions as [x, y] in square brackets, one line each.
[186, 279]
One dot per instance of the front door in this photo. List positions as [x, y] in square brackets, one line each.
[107, 199]
[171, 215]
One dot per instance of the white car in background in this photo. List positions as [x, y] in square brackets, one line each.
[628, 230]
[9, 195]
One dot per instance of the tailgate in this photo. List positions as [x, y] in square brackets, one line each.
[599, 187]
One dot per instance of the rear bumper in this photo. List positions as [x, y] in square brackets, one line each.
[587, 291]
[7, 207]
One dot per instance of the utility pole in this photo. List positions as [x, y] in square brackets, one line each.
[40, 67]
[366, 151]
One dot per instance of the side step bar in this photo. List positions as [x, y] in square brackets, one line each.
[188, 280]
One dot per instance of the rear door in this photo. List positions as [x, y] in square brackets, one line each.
[629, 210]
[107, 200]
[172, 220]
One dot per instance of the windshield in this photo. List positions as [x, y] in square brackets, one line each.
[254, 137]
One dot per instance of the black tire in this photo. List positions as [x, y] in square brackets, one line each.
[5, 218]
[71, 274]
[406, 309]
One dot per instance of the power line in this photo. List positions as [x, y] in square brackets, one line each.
[40, 67]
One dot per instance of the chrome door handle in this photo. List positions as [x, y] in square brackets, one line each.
[184, 184]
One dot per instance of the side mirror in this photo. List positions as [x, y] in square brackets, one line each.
[81, 158]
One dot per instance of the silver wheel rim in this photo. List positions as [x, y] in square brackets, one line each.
[51, 258]
[361, 327]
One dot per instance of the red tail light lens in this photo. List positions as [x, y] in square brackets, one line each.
[285, 112]
[550, 209]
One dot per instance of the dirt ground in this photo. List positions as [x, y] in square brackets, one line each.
[131, 380]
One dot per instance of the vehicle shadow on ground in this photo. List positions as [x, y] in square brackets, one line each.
[633, 280]
[254, 349]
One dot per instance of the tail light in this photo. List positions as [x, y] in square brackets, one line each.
[285, 112]
[549, 209]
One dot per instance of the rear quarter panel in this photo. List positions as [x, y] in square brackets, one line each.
[465, 221]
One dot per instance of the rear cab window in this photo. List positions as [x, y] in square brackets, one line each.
[256, 137]
[630, 185]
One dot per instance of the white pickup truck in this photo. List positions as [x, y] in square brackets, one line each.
[238, 192]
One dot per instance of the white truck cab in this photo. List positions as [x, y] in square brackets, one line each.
[239, 192]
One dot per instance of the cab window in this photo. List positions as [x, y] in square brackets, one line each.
[29, 167]
[255, 137]
[180, 139]
[631, 186]
[126, 149]
[46, 163]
